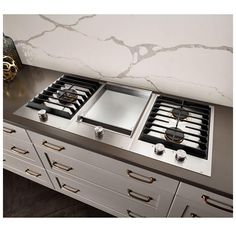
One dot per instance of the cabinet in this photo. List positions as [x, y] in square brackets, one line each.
[20, 156]
[21, 150]
[27, 170]
[121, 189]
[191, 201]
[86, 191]
[13, 131]
[134, 186]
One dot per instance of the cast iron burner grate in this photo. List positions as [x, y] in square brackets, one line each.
[178, 124]
[174, 134]
[180, 113]
[65, 96]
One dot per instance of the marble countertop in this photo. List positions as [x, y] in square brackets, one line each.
[31, 80]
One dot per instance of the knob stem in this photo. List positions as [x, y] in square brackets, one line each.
[43, 116]
[99, 131]
[180, 155]
[159, 148]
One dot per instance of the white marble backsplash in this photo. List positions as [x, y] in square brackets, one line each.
[184, 55]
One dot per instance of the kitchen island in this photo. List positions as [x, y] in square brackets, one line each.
[31, 80]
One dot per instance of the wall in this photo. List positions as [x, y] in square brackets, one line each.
[184, 55]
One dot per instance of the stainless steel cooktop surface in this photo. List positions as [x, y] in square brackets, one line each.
[166, 128]
[119, 107]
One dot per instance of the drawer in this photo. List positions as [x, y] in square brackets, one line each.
[60, 164]
[29, 171]
[185, 208]
[22, 150]
[83, 190]
[15, 132]
[201, 202]
[128, 171]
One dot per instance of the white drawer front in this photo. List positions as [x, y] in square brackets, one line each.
[190, 199]
[185, 208]
[60, 164]
[131, 172]
[23, 150]
[15, 132]
[26, 170]
[80, 189]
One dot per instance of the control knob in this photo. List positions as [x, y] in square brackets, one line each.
[99, 131]
[43, 116]
[159, 148]
[180, 155]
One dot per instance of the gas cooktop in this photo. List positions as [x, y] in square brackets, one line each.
[178, 124]
[169, 129]
[177, 131]
[64, 97]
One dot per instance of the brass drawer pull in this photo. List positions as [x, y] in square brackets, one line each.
[141, 178]
[8, 130]
[194, 215]
[139, 196]
[33, 173]
[209, 201]
[19, 150]
[68, 188]
[61, 166]
[132, 214]
[52, 146]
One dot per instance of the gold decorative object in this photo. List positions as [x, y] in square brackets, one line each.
[9, 49]
[9, 68]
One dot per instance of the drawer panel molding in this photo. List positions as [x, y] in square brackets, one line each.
[27, 170]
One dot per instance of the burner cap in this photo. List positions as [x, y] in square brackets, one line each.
[67, 96]
[180, 113]
[174, 134]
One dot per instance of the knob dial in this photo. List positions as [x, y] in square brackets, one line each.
[99, 131]
[180, 155]
[43, 116]
[159, 148]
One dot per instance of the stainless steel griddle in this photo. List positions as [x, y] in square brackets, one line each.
[118, 108]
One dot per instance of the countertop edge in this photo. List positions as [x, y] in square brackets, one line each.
[52, 132]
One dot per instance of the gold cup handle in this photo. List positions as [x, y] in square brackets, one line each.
[140, 177]
[139, 196]
[212, 202]
[8, 130]
[52, 146]
[70, 189]
[19, 150]
[132, 214]
[33, 173]
[61, 166]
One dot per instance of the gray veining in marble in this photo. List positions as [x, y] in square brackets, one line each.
[142, 64]
[151, 49]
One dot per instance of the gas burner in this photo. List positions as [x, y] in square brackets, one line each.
[174, 134]
[180, 113]
[67, 96]
[167, 124]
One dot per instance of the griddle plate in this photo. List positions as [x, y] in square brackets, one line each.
[117, 109]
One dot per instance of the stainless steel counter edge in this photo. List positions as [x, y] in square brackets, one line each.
[221, 181]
